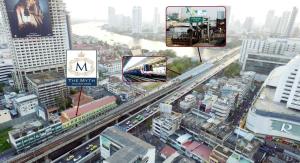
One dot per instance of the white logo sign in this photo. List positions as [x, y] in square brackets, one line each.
[286, 128]
[81, 68]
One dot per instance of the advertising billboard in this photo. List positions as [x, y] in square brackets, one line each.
[29, 18]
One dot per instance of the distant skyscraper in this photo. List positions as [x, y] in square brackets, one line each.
[283, 23]
[156, 20]
[37, 51]
[269, 20]
[291, 21]
[248, 24]
[274, 25]
[228, 15]
[137, 19]
[111, 16]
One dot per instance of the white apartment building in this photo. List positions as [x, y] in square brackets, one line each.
[262, 56]
[6, 68]
[137, 20]
[114, 67]
[291, 22]
[288, 88]
[26, 104]
[188, 102]
[277, 105]
[39, 54]
[47, 86]
[166, 124]
[3, 39]
[221, 108]
[156, 21]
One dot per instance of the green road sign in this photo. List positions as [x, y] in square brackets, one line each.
[198, 19]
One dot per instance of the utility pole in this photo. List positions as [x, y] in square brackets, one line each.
[78, 101]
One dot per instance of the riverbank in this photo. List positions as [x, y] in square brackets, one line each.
[148, 36]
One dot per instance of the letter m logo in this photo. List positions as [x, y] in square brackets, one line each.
[83, 67]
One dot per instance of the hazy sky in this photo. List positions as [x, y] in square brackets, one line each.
[239, 8]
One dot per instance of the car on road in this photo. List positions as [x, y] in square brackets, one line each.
[70, 157]
[135, 122]
[93, 148]
[77, 158]
[89, 146]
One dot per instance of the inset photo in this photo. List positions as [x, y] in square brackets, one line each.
[144, 69]
[196, 26]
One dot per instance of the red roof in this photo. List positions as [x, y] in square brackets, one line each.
[167, 151]
[71, 113]
[203, 151]
[189, 146]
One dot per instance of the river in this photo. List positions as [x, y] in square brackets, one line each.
[93, 29]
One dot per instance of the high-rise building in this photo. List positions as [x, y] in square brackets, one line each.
[137, 20]
[228, 15]
[283, 23]
[288, 89]
[277, 105]
[156, 20]
[6, 68]
[3, 39]
[274, 25]
[291, 22]
[41, 51]
[269, 19]
[248, 24]
[111, 16]
[262, 56]
[48, 86]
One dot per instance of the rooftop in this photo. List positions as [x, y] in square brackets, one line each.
[202, 151]
[265, 103]
[25, 98]
[167, 151]
[234, 158]
[25, 128]
[71, 113]
[45, 77]
[131, 146]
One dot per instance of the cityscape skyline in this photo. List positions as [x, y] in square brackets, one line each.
[134, 90]
[239, 10]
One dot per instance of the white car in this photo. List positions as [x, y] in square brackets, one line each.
[77, 158]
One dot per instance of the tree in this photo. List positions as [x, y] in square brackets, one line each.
[73, 91]
[1, 88]
[232, 70]
[168, 53]
[181, 65]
